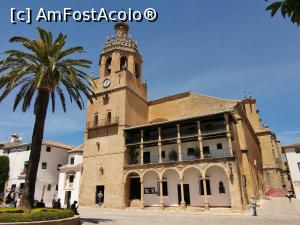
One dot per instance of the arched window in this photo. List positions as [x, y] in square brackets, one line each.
[221, 187]
[123, 63]
[96, 120]
[137, 71]
[108, 65]
[109, 117]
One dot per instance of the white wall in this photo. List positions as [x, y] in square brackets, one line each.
[192, 177]
[17, 158]
[63, 178]
[172, 178]
[217, 174]
[293, 159]
[168, 148]
[212, 143]
[151, 180]
[154, 154]
[51, 174]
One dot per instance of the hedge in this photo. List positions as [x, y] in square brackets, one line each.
[35, 215]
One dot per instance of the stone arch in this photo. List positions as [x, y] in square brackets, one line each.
[225, 167]
[168, 169]
[126, 175]
[147, 171]
[189, 167]
[217, 175]
[150, 179]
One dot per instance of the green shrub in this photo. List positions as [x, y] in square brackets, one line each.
[36, 215]
[11, 210]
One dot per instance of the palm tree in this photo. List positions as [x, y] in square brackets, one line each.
[290, 8]
[41, 72]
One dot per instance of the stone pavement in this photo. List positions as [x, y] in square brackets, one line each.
[273, 211]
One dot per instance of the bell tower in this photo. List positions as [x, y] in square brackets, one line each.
[121, 102]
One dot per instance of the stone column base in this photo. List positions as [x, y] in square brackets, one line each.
[161, 205]
[182, 205]
[206, 206]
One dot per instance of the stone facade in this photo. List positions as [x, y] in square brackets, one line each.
[168, 146]
[273, 164]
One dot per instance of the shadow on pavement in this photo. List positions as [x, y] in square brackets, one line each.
[94, 220]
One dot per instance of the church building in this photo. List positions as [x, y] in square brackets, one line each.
[183, 150]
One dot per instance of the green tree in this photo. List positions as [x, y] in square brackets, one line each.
[4, 170]
[40, 72]
[289, 8]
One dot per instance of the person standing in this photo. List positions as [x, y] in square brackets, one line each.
[100, 197]
[254, 205]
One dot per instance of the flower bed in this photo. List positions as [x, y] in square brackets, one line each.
[44, 214]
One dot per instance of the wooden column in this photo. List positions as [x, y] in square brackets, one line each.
[142, 194]
[205, 194]
[182, 203]
[228, 134]
[179, 143]
[200, 140]
[142, 147]
[161, 196]
[159, 145]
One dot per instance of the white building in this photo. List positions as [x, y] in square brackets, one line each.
[69, 177]
[53, 156]
[292, 154]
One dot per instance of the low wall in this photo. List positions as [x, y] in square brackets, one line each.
[68, 221]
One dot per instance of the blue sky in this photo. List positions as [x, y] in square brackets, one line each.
[219, 48]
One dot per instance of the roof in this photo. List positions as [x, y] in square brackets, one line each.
[78, 148]
[296, 144]
[58, 145]
[181, 119]
[184, 95]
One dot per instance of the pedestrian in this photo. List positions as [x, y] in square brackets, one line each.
[100, 197]
[74, 208]
[53, 202]
[254, 205]
[290, 195]
[40, 204]
[58, 204]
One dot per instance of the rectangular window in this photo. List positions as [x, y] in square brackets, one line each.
[297, 150]
[48, 149]
[219, 146]
[206, 150]
[56, 187]
[71, 179]
[164, 187]
[299, 166]
[72, 160]
[190, 151]
[147, 157]
[49, 187]
[208, 190]
[58, 167]
[44, 165]
[163, 154]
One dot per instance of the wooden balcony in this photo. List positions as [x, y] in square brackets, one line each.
[102, 123]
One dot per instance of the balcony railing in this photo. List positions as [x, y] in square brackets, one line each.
[214, 129]
[102, 123]
[211, 154]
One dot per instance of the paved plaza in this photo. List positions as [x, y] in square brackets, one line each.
[273, 211]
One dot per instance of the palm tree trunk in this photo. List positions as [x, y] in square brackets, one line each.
[42, 101]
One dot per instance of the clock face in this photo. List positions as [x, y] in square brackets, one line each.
[106, 83]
